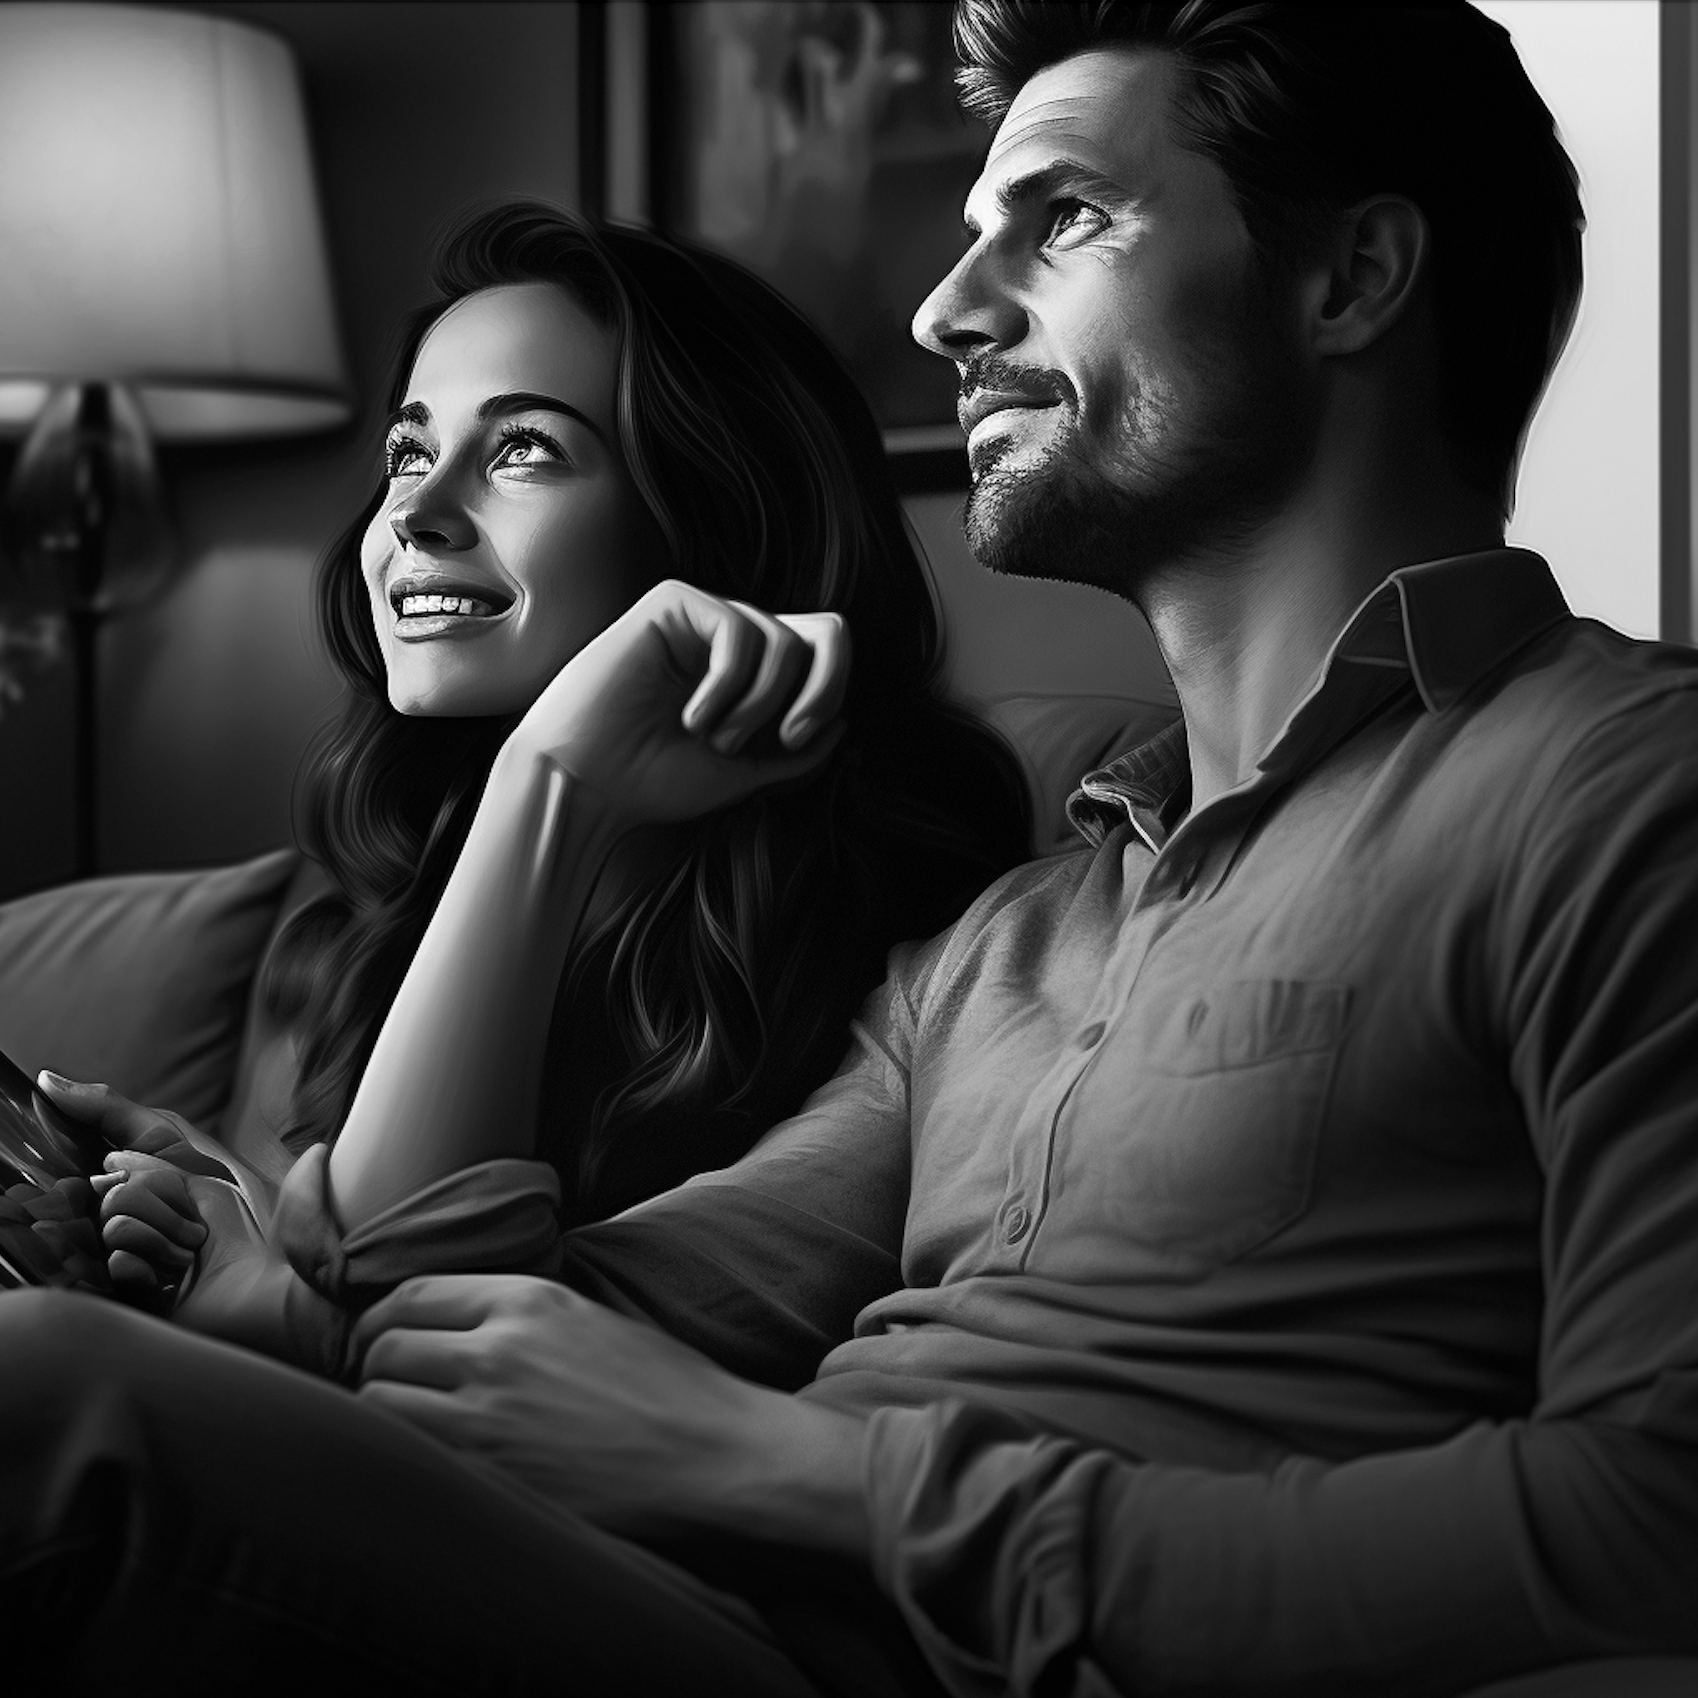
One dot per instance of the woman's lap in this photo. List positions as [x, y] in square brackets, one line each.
[169, 1501]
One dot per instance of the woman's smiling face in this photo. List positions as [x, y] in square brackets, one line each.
[510, 532]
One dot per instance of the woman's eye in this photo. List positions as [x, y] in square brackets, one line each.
[522, 448]
[1072, 222]
[405, 457]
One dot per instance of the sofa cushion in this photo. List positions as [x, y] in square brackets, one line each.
[140, 980]
[1059, 738]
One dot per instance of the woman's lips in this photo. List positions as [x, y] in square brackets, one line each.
[461, 606]
[431, 622]
[427, 608]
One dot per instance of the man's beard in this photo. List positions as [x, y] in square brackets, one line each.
[1183, 481]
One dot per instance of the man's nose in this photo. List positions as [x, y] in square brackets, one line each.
[971, 309]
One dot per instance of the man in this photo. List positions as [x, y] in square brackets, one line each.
[1254, 1253]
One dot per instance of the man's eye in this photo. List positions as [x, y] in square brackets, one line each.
[405, 457]
[1072, 222]
[523, 446]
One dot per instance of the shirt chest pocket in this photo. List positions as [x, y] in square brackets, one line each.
[1194, 1143]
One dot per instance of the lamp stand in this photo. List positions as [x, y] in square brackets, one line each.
[85, 525]
[85, 626]
[93, 488]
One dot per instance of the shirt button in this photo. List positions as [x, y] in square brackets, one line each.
[1092, 1035]
[1014, 1227]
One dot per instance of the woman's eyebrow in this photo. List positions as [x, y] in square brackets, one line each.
[525, 400]
[510, 401]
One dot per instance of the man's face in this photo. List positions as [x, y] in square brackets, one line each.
[1130, 382]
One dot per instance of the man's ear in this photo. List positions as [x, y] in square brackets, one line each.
[1379, 254]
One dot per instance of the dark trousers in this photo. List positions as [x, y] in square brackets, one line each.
[177, 1514]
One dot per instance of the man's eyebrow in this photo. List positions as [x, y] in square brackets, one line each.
[1056, 176]
[510, 401]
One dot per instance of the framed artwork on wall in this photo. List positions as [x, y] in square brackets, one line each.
[819, 143]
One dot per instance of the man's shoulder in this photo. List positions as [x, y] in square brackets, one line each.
[1581, 730]
[1028, 898]
[1581, 683]
[1612, 668]
[1038, 885]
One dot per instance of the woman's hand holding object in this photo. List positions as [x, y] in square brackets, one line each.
[150, 1224]
[690, 702]
[163, 1193]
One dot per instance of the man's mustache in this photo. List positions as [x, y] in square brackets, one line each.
[1035, 383]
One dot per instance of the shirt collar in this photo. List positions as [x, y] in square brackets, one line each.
[1442, 625]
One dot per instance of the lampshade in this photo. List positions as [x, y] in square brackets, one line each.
[158, 223]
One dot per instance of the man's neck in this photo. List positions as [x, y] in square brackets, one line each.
[1244, 631]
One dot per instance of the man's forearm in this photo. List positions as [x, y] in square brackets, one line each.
[1418, 1572]
[792, 1476]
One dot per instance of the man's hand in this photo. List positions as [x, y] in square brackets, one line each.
[609, 1418]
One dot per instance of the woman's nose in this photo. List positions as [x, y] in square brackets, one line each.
[432, 523]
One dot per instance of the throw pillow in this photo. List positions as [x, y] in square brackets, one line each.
[140, 981]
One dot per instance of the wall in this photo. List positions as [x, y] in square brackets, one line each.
[1589, 492]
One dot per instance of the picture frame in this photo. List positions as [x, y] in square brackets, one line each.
[817, 142]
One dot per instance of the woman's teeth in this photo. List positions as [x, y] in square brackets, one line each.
[417, 604]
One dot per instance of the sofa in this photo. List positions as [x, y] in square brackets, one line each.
[150, 983]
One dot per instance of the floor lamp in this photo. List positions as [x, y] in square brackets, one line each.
[163, 279]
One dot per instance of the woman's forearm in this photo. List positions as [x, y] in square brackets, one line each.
[652, 716]
[456, 1073]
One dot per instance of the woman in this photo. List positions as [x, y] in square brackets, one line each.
[611, 873]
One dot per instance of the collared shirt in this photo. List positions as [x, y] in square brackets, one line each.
[1265, 1241]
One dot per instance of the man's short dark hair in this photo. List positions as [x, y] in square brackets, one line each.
[1310, 109]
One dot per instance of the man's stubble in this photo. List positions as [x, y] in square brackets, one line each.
[1188, 468]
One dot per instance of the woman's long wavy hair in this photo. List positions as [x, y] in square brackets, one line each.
[708, 1003]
